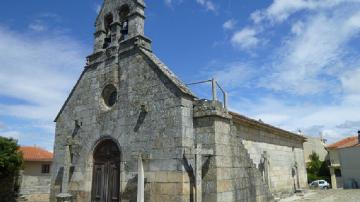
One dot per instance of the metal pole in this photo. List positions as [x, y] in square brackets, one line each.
[213, 82]
[200, 82]
[225, 100]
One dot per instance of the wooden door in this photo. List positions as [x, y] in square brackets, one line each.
[106, 173]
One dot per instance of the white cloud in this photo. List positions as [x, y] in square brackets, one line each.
[313, 60]
[208, 4]
[38, 71]
[172, 3]
[309, 79]
[280, 10]
[234, 75]
[44, 21]
[245, 38]
[168, 2]
[2, 126]
[229, 24]
[350, 81]
[256, 16]
[10, 134]
[310, 118]
[29, 139]
[297, 28]
[37, 26]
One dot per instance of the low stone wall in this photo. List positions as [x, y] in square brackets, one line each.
[35, 188]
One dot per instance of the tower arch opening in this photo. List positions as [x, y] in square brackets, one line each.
[124, 12]
[108, 20]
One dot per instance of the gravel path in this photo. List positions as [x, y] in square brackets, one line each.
[332, 195]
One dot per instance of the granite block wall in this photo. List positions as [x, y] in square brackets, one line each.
[229, 175]
[283, 152]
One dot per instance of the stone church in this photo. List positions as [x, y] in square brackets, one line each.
[130, 129]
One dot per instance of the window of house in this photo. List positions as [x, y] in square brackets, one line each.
[45, 168]
[337, 172]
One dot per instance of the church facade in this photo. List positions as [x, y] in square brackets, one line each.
[128, 110]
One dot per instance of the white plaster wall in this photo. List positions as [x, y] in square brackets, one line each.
[334, 157]
[314, 144]
[350, 165]
[34, 168]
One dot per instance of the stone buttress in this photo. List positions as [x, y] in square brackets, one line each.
[229, 175]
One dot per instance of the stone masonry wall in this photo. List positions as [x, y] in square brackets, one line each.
[35, 185]
[160, 132]
[35, 188]
[230, 174]
[283, 153]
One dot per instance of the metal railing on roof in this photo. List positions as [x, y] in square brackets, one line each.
[214, 86]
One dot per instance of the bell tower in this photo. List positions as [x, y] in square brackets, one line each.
[118, 22]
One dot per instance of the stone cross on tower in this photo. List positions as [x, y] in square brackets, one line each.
[65, 196]
[70, 142]
[199, 152]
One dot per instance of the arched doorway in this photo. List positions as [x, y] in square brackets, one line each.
[106, 172]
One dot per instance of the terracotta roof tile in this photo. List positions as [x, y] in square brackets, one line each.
[344, 143]
[36, 154]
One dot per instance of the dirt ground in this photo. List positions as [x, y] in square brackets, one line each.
[331, 195]
[34, 198]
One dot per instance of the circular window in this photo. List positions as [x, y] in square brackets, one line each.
[109, 95]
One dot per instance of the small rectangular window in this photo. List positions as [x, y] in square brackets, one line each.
[45, 168]
[337, 172]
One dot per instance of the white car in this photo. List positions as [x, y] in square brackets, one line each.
[322, 184]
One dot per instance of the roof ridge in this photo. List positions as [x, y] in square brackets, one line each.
[166, 70]
[344, 143]
[35, 153]
[238, 115]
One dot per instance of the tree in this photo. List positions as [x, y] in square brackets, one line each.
[316, 169]
[10, 164]
[315, 164]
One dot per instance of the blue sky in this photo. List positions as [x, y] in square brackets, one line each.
[294, 64]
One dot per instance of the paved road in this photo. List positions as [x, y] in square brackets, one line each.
[332, 195]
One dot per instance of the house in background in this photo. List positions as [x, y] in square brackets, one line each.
[317, 145]
[36, 174]
[344, 162]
